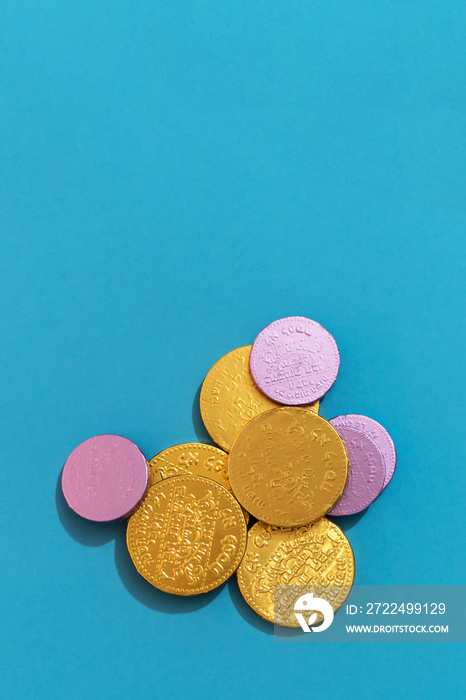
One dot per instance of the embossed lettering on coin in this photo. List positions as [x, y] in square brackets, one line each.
[230, 398]
[191, 458]
[366, 472]
[280, 561]
[379, 435]
[294, 360]
[288, 466]
[188, 536]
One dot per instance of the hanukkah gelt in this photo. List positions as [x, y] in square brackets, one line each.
[191, 458]
[294, 360]
[104, 478]
[230, 397]
[317, 557]
[366, 472]
[288, 466]
[188, 536]
[379, 435]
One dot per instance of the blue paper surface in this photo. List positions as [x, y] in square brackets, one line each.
[173, 177]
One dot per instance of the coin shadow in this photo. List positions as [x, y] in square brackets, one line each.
[245, 611]
[148, 595]
[198, 424]
[346, 522]
[84, 531]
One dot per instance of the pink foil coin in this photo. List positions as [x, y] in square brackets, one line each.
[366, 472]
[294, 360]
[379, 435]
[104, 478]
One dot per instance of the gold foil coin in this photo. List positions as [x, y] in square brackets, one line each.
[188, 535]
[281, 564]
[288, 467]
[191, 458]
[230, 397]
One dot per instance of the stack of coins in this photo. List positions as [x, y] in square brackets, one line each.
[278, 461]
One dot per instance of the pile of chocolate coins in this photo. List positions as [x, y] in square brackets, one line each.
[279, 468]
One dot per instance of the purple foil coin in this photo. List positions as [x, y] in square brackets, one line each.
[104, 478]
[294, 360]
[377, 433]
[366, 472]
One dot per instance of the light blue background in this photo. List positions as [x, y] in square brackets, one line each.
[174, 176]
